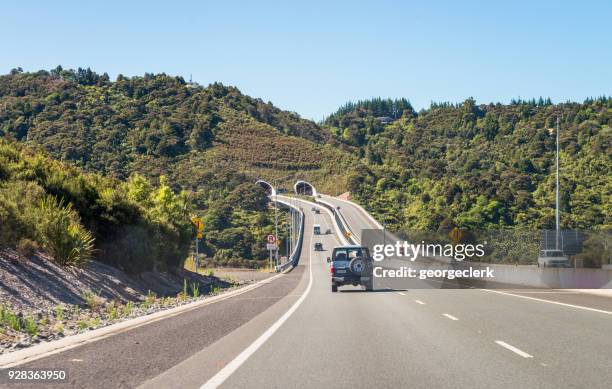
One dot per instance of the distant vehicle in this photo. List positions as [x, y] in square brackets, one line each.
[351, 265]
[553, 258]
[317, 229]
[318, 246]
[317, 211]
[328, 231]
[313, 209]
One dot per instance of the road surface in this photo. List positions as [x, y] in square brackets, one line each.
[354, 216]
[295, 333]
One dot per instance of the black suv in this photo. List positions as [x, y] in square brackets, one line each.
[351, 265]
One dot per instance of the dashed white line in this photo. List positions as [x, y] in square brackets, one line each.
[403, 294]
[513, 349]
[419, 302]
[449, 316]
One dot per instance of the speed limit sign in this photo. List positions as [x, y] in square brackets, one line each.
[271, 238]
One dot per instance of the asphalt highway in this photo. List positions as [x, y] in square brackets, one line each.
[295, 333]
[428, 338]
[355, 217]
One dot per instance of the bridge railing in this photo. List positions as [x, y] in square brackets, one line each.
[294, 257]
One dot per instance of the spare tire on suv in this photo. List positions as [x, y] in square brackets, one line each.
[357, 266]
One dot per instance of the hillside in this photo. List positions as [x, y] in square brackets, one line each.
[202, 138]
[212, 143]
[480, 166]
[471, 165]
[74, 216]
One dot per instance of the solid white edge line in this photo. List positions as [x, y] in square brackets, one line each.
[449, 316]
[46, 349]
[235, 364]
[513, 349]
[419, 302]
[548, 301]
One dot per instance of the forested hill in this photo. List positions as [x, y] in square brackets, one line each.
[207, 139]
[453, 164]
[482, 165]
[209, 144]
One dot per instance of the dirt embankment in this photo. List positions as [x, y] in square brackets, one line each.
[42, 301]
[38, 282]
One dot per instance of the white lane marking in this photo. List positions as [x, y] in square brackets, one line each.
[449, 316]
[235, 364]
[549, 301]
[403, 294]
[543, 292]
[513, 349]
[419, 302]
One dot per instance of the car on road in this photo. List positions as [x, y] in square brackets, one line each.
[316, 229]
[553, 258]
[328, 231]
[351, 265]
[318, 246]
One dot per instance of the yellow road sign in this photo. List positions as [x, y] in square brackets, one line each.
[456, 234]
[200, 235]
[198, 223]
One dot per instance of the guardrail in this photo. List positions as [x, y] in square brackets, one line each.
[341, 221]
[297, 249]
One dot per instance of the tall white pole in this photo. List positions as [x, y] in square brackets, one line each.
[557, 216]
[276, 230]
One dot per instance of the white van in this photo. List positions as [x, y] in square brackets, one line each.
[553, 258]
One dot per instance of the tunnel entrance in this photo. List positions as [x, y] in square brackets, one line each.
[304, 188]
[270, 191]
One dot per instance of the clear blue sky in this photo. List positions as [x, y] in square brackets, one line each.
[312, 56]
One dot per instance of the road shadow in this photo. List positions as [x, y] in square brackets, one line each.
[385, 290]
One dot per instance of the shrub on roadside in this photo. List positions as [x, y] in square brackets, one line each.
[27, 247]
[136, 225]
[62, 234]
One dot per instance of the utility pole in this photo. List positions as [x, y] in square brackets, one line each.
[276, 224]
[290, 231]
[287, 239]
[384, 233]
[557, 216]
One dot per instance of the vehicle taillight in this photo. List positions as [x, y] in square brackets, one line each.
[331, 268]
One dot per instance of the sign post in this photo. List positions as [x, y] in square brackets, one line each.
[271, 246]
[200, 227]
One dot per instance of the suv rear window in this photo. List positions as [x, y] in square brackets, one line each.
[346, 254]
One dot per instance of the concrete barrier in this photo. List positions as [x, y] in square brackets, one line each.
[344, 227]
[533, 276]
